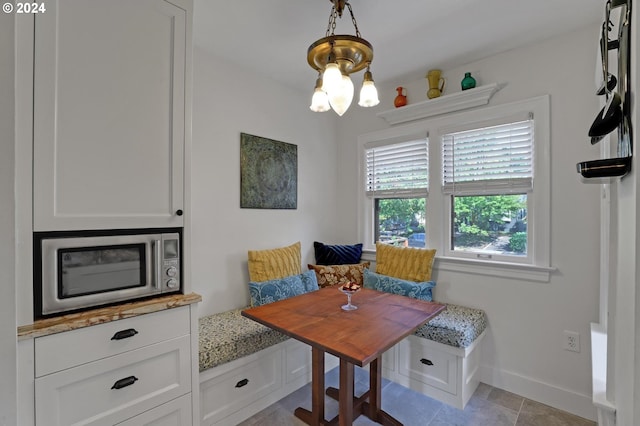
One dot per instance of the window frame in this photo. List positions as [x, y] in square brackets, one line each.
[537, 266]
[366, 203]
[449, 251]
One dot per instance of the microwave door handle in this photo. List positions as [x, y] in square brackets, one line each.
[156, 264]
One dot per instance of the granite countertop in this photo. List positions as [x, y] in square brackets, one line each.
[69, 322]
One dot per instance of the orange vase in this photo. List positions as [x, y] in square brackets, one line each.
[400, 100]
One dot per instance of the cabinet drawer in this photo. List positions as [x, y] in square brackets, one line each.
[173, 413]
[428, 365]
[105, 392]
[235, 389]
[72, 348]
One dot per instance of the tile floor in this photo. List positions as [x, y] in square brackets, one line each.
[488, 406]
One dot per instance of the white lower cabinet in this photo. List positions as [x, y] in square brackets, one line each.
[427, 365]
[150, 383]
[173, 413]
[446, 373]
[232, 392]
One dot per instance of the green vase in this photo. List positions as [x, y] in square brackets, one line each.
[468, 82]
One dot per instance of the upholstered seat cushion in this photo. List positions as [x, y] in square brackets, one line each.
[227, 336]
[456, 326]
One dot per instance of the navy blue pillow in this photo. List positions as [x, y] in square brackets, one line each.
[337, 254]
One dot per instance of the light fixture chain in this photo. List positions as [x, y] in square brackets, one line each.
[353, 19]
[331, 28]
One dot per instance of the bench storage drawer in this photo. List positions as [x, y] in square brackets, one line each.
[428, 365]
[237, 388]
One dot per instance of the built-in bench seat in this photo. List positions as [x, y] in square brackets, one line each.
[457, 326]
[231, 347]
[227, 336]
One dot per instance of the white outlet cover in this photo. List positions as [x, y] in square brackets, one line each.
[571, 341]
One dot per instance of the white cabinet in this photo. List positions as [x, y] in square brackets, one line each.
[85, 378]
[446, 373]
[110, 113]
[173, 413]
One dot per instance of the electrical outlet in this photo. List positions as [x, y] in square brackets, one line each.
[571, 341]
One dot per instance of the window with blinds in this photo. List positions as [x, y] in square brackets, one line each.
[489, 160]
[397, 170]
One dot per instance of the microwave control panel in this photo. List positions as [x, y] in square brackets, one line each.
[171, 262]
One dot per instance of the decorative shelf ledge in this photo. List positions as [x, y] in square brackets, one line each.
[442, 105]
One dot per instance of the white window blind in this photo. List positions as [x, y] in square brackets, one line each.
[489, 160]
[398, 170]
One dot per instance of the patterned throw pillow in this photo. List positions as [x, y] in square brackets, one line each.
[271, 291]
[276, 263]
[393, 285]
[406, 263]
[329, 275]
[337, 254]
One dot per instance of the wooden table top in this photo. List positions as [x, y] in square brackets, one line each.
[359, 336]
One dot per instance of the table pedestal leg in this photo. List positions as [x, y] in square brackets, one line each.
[345, 402]
[315, 417]
[372, 407]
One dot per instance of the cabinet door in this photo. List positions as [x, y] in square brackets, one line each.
[109, 114]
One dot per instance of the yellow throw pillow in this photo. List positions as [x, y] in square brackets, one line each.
[406, 263]
[328, 275]
[265, 265]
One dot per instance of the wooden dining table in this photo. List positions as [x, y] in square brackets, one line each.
[357, 337]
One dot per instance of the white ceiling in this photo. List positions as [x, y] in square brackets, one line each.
[408, 36]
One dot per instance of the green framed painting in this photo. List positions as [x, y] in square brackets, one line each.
[268, 173]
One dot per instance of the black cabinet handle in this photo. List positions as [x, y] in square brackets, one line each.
[125, 334]
[242, 383]
[426, 361]
[179, 212]
[123, 383]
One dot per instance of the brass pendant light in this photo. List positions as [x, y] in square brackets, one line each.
[335, 57]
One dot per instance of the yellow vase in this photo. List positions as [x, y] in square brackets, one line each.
[436, 83]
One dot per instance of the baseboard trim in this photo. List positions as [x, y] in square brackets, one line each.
[563, 399]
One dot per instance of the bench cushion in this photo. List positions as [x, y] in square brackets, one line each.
[456, 326]
[227, 336]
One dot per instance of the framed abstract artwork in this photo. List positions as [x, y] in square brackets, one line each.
[268, 173]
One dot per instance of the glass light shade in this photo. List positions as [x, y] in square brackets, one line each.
[368, 95]
[340, 99]
[319, 101]
[331, 78]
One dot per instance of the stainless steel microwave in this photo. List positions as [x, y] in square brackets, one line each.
[79, 270]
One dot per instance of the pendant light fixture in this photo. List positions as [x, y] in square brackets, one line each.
[335, 57]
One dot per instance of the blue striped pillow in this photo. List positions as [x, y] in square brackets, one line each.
[337, 254]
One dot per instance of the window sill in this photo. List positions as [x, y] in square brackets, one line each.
[485, 267]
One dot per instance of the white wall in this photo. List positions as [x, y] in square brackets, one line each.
[228, 100]
[7, 240]
[523, 350]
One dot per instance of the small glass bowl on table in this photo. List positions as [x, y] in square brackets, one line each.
[349, 289]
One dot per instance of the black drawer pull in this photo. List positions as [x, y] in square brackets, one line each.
[123, 383]
[124, 334]
[426, 361]
[242, 383]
